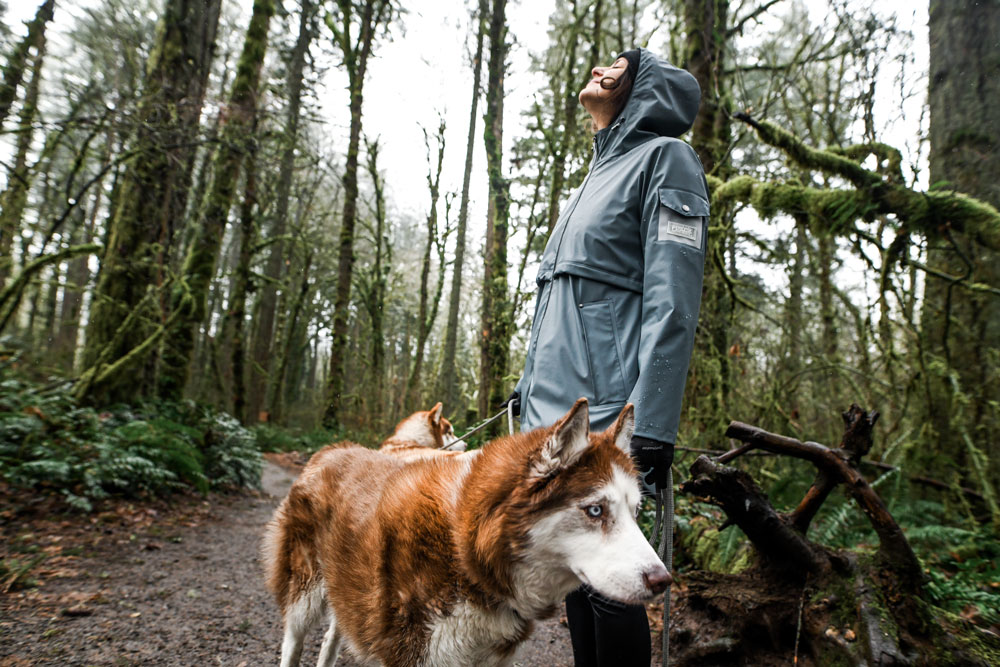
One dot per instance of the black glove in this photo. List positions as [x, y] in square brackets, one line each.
[653, 458]
[515, 399]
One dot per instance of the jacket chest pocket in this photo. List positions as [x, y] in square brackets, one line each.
[682, 218]
[604, 350]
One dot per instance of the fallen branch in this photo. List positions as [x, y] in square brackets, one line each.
[746, 506]
[836, 466]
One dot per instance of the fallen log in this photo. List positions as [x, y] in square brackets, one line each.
[800, 602]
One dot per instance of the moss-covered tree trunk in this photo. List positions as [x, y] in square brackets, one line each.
[17, 62]
[705, 26]
[566, 116]
[962, 328]
[496, 315]
[19, 176]
[274, 268]
[448, 376]
[242, 286]
[151, 197]
[191, 293]
[355, 54]
[285, 353]
[373, 291]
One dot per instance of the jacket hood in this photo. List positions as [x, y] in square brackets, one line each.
[663, 103]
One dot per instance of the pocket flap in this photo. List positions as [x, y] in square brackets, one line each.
[683, 202]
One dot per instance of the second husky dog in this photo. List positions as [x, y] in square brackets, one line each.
[421, 435]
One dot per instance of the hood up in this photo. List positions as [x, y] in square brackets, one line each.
[663, 103]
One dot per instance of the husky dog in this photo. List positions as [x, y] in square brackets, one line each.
[423, 434]
[447, 561]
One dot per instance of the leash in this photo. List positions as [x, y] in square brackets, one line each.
[509, 411]
[663, 529]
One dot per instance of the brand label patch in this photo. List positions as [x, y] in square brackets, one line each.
[677, 228]
[682, 230]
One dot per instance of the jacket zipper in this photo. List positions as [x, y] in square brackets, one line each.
[555, 259]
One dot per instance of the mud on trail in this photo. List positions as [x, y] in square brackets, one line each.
[166, 586]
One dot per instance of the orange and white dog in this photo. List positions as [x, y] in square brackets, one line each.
[447, 561]
[422, 435]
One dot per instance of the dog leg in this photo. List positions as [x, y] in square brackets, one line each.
[331, 644]
[300, 617]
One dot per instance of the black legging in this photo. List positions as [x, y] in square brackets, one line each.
[605, 633]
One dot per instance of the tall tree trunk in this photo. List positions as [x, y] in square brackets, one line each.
[448, 376]
[14, 198]
[152, 194]
[597, 34]
[199, 265]
[373, 13]
[705, 26]
[278, 400]
[375, 293]
[427, 312]
[17, 62]
[241, 286]
[496, 316]
[962, 328]
[567, 116]
[274, 269]
[77, 277]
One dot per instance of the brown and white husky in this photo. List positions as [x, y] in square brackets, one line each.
[447, 561]
[423, 434]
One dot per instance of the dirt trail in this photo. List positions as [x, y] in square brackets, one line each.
[179, 596]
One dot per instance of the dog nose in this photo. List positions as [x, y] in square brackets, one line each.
[657, 579]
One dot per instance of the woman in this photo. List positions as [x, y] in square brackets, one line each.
[619, 289]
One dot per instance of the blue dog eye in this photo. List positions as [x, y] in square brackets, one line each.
[594, 511]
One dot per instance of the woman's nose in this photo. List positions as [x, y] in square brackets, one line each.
[596, 71]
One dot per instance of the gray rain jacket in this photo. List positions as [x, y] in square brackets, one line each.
[619, 284]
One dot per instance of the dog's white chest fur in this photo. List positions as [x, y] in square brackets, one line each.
[471, 635]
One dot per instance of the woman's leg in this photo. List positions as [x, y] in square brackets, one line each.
[580, 619]
[605, 633]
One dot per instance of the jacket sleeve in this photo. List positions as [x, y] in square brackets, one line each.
[674, 227]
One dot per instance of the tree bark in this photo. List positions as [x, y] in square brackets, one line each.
[152, 194]
[274, 269]
[496, 324]
[14, 198]
[567, 115]
[241, 285]
[355, 54]
[13, 69]
[199, 265]
[427, 311]
[705, 32]
[449, 385]
[961, 328]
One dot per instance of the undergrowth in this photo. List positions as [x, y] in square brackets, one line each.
[51, 444]
[960, 554]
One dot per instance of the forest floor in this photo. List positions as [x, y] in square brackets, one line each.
[174, 583]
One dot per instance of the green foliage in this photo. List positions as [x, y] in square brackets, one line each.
[15, 573]
[272, 438]
[49, 443]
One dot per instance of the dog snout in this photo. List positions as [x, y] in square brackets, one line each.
[657, 579]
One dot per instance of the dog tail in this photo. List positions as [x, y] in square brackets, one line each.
[288, 550]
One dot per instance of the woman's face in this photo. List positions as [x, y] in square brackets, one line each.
[600, 93]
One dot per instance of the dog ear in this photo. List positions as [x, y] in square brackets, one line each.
[624, 427]
[435, 414]
[569, 439]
